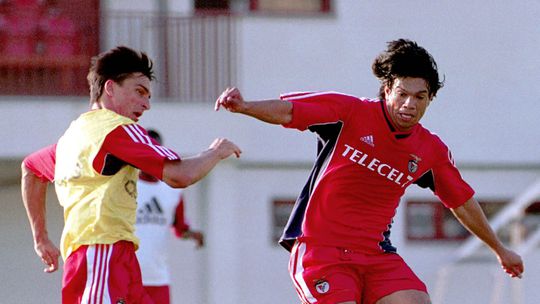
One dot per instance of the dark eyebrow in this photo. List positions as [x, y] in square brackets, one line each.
[146, 90]
[415, 93]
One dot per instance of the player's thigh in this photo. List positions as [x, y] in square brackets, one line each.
[74, 277]
[319, 276]
[329, 286]
[389, 277]
[405, 297]
[159, 294]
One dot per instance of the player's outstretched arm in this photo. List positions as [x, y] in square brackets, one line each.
[192, 169]
[270, 111]
[473, 218]
[34, 192]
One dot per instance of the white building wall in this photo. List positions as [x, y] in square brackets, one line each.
[486, 113]
[486, 53]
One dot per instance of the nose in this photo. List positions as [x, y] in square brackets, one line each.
[410, 103]
[146, 104]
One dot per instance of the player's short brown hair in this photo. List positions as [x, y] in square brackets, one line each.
[404, 58]
[116, 64]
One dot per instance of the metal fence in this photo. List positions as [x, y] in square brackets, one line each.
[195, 57]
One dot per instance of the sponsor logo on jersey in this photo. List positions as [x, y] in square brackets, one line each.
[322, 286]
[368, 140]
[375, 165]
[150, 213]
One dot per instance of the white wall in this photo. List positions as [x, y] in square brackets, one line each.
[487, 53]
[23, 279]
[130, 5]
[486, 113]
[175, 6]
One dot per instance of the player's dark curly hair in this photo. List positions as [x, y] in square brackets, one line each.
[116, 64]
[405, 58]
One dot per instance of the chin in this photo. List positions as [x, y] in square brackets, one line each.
[405, 128]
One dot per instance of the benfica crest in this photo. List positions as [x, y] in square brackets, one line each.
[322, 286]
[413, 163]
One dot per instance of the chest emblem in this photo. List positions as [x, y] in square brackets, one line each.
[413, 163]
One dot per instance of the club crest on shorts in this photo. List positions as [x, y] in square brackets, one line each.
[322, 286]
[413, 163]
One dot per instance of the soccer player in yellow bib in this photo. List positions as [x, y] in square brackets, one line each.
[94, 166]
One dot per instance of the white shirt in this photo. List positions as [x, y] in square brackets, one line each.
[156, 208]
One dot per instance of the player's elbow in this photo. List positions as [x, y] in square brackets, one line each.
[182, 181]
[179, 174]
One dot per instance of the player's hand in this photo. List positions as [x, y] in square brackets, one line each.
[511, 263]
[225, 148]
[49, 254]
[197, 236]
[231, 100]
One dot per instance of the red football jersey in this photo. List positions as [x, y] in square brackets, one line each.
[362, 170]
[125, 145]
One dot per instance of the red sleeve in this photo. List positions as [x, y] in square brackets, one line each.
[317, 108]
[132, 145]
[450, 187]
[179, 225]
[42, 162]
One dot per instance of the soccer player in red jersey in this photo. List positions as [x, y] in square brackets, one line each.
[95, 166]
[369, 152]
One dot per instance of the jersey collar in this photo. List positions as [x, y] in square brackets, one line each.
[392, 126]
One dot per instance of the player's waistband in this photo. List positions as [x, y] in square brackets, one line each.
[312, 241]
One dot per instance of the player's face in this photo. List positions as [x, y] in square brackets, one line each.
[407, 101]
[131, 97]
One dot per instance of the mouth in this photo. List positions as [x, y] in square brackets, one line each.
[406, 117]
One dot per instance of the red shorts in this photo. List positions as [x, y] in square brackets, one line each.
[331, 275]
[103, 274]
[160, 294]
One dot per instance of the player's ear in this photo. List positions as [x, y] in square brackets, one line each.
[108, 88]
[387, 91]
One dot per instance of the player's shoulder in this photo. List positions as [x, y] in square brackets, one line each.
[320, 94]
[431, 137]
[131, 128]
[133, 132]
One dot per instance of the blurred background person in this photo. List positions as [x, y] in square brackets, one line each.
[160, 214]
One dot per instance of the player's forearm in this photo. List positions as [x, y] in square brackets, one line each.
[270, 111]
[190, 170]
[34, 193]
[473, 218]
